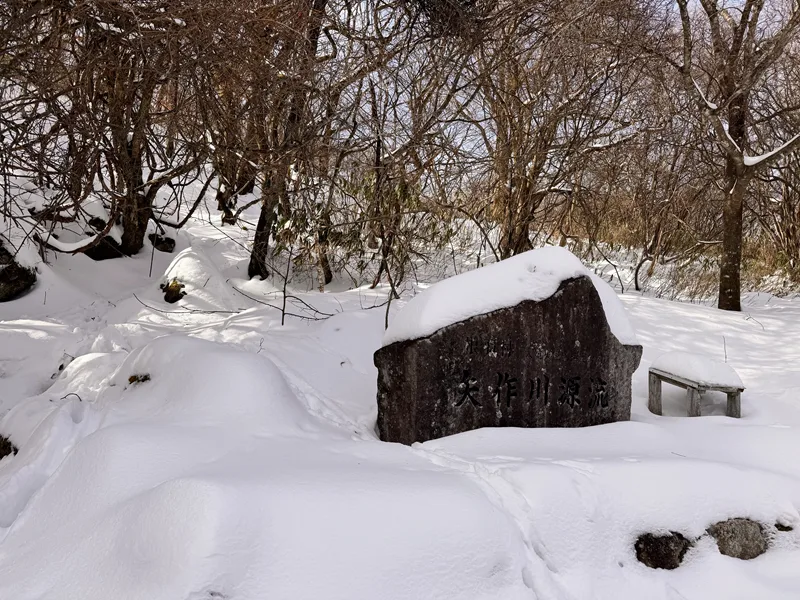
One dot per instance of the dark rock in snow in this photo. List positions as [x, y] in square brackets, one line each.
[97, 223]
[661, 551]
[784, 528]
[108, 247]
[173, 291]
[553, 363]
[15, 279]
[739, 538]
[6, 447]
[162, 243]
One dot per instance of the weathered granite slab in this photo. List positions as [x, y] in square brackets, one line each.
[553, 363]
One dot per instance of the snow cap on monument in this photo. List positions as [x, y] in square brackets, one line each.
[533, 341]
[534, 275]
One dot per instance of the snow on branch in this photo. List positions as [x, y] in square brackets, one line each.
[68, 247]
[71, 247]
[756, 161]
[730, 139]
[710, 105]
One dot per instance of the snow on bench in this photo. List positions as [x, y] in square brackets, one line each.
[697, 374]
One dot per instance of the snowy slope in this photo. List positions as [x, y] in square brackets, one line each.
[245, 465]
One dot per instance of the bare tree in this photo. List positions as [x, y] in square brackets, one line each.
[549, 103]
[728, 52]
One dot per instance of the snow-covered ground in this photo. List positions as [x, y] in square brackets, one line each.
[203, 451]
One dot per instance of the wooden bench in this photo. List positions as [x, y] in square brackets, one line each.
[694, 391]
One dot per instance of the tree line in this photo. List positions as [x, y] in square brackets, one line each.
[383, 128]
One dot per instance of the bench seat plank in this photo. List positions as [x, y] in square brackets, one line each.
[694, 393]
[688, 383]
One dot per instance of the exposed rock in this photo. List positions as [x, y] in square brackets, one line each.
[739, 538]
[97, 223]
[6, 447]
[162, 243]
[173, 291]
[15, 279]
[783, 527]
[139, 378]
[662, 551]
[108, 247]
[553, 363]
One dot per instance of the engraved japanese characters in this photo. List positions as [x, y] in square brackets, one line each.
[548, 363]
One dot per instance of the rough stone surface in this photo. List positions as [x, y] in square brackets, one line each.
[553, 363]
[108, 247]
[162, 243]
[739, 538]
[661, 551]
[97, 223]
[6, 447]
[15, 279]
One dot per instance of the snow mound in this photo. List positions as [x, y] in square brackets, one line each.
[199, 473]
[698, 367]
[534, 275]
[190, 381]
[31, 353]
[89, 373]
[205, 286]
[573, 497]
[51, 294]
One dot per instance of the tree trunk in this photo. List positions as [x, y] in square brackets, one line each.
[730, 287]
[246, 179]
[258, 257]
[515, 238]
[326, 275]
[276, 190]
[225, 204]
[135, 208]
[266, 222]
[737, 179]
[135, 217]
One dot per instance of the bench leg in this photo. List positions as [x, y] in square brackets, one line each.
[734, 404]
[694, 402]
[654, 394]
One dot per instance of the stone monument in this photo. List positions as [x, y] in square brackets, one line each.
[553, 362]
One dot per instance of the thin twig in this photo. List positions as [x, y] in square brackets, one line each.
[188, 310]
